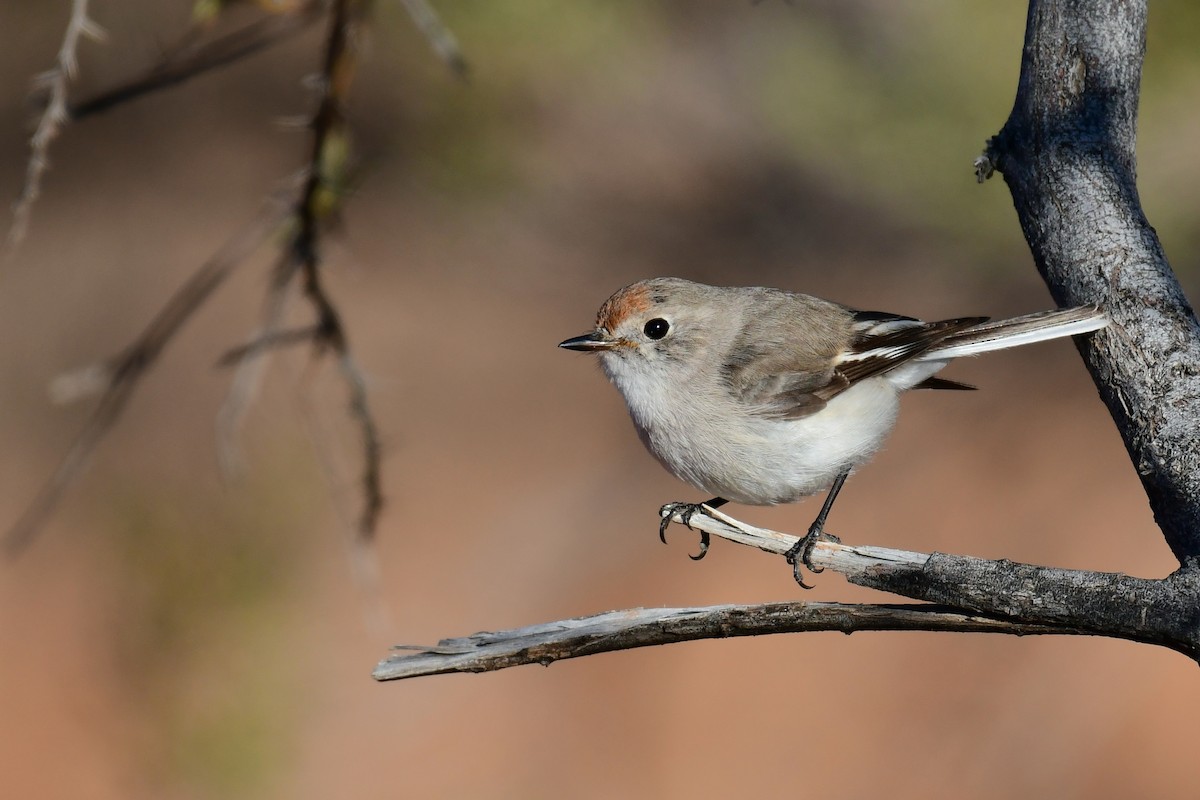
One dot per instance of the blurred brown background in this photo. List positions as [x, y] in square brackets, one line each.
[174, 635]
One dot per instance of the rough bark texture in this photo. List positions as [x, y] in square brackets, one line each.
[1163, 612]
[1067, 155]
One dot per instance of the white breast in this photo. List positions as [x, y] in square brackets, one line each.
[706, 439]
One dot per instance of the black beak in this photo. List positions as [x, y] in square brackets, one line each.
[593, 342]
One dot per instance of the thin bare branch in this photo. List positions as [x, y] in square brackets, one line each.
[439, 36]
[360, 552]
[263, 341]
[371, 479]
[192, 57]
[125, 371]
[54, 117]
[644, 627]
[327, 164]
[250, 361]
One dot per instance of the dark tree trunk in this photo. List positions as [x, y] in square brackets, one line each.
[1067, 155]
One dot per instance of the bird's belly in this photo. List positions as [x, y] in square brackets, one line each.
[761, 461]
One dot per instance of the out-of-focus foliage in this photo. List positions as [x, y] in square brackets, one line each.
[204, 602]
[865, 94]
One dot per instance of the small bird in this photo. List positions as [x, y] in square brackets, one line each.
[763, 396]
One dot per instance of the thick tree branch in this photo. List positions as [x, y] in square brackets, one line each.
[1165, 612]
[1067, 155]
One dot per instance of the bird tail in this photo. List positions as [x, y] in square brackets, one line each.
[1017, 331]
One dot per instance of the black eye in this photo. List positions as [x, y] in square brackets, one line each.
[657, 328]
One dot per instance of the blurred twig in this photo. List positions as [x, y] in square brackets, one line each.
[440, 37]
[192, 57]
[250, 361]
[54, 117]
[120, 376]
[319, 200]
[266, 339]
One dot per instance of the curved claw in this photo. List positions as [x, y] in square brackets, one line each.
[799, 579]
[800, 554]
[686, 512]
[795, 557]
[662, 526]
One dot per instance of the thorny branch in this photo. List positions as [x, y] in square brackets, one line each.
[54, 117]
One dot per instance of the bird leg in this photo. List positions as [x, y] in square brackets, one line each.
[686, 511]
[801, 552]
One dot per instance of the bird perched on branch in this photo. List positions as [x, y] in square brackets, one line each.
[762, 396]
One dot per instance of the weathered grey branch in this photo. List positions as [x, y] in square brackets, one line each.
[965, 595]
[1067, 155]
[643, 627]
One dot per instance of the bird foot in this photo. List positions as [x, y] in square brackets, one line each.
[685, 511]
[800, 554]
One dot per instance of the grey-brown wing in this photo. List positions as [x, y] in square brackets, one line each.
[794, 373]
[783, 362]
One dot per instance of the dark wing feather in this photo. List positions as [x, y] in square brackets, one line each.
[882, 346]
[944, 383]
